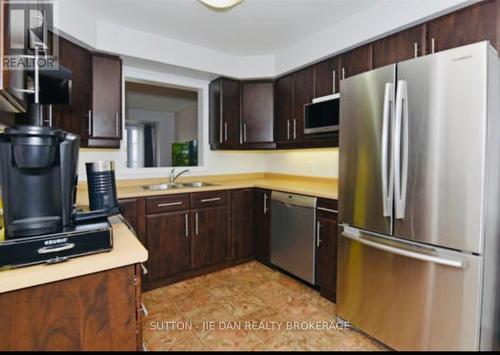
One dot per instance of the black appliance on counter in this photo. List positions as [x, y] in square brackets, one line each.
[38, 175]
[102, 186]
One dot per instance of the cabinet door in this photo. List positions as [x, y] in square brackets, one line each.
[262, 225]
[472, 24]
[230, 91]
[356, 61]
[169, 244]
[75, 116]
[106, 97]
[326, 234]
[303, 93]
[327, 77]
[216, 130]
[258, 112]
[209, 237]
[400, 46]
[242, 223]
[133, 211]
[284, 108]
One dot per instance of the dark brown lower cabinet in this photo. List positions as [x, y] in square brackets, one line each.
[242, 223]
[92, 312]
[133, 211]
[262, 225]
[209, 236]
[168, 243]
[327, 231]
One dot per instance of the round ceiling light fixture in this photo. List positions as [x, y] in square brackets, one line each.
[221, 4]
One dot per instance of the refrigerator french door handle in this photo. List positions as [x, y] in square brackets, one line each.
[401, 166]
[387, 176]
[404, 252]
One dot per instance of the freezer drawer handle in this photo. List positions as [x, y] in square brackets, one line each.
[406, 253]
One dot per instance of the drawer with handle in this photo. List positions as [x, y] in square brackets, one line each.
[168, 203]
[209, 198]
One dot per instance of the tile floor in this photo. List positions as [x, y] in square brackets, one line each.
[248, 307]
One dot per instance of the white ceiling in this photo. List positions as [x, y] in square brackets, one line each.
[254, 27]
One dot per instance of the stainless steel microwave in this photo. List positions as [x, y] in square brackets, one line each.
[322, 115]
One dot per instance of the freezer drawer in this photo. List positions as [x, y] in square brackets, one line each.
[407, 296]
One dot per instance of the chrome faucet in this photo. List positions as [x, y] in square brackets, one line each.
[173, 177]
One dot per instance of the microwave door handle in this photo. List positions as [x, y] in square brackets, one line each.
[387, 174]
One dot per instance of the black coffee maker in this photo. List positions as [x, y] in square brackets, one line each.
[38, 176]
[38, 167]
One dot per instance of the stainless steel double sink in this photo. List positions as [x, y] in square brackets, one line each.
[168, 186]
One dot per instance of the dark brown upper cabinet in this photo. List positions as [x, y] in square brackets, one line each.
[401, 46]
[327, 77]
[75, 116]
[284, 108]
[303, 93]
[105, 121]
[475, 23]
[224, 113]
[356, 61]
[257, 112]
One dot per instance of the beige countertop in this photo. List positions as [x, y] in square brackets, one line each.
[312, 186]
[127, 250]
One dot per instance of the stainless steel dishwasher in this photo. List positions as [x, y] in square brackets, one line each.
[293, 234]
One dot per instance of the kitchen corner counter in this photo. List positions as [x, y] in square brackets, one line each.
[311, 186]
[127, 250]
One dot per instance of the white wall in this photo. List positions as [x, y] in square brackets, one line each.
[186, 124]
[322, 162]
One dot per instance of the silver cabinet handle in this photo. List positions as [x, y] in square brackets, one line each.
[318, 233]
[213, 199]
[265, 203]
[54, 249]
[169, 204]
[403, 252]
[287, 130]
[196, 223]
[294, 128]
[186, 224]
[401, 167]
[433, 45]
[144, 269]
[343, 73]
[225, 131]
[50, 116]
[117, 125]
[387, 180]
[144, 310]
[327, 209]
[244, 132]
[334, 77]
[415, 49]
[90, 121]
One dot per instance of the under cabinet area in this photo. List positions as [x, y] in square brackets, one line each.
[192, 234]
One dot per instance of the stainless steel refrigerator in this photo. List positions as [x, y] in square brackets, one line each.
[419, 193]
